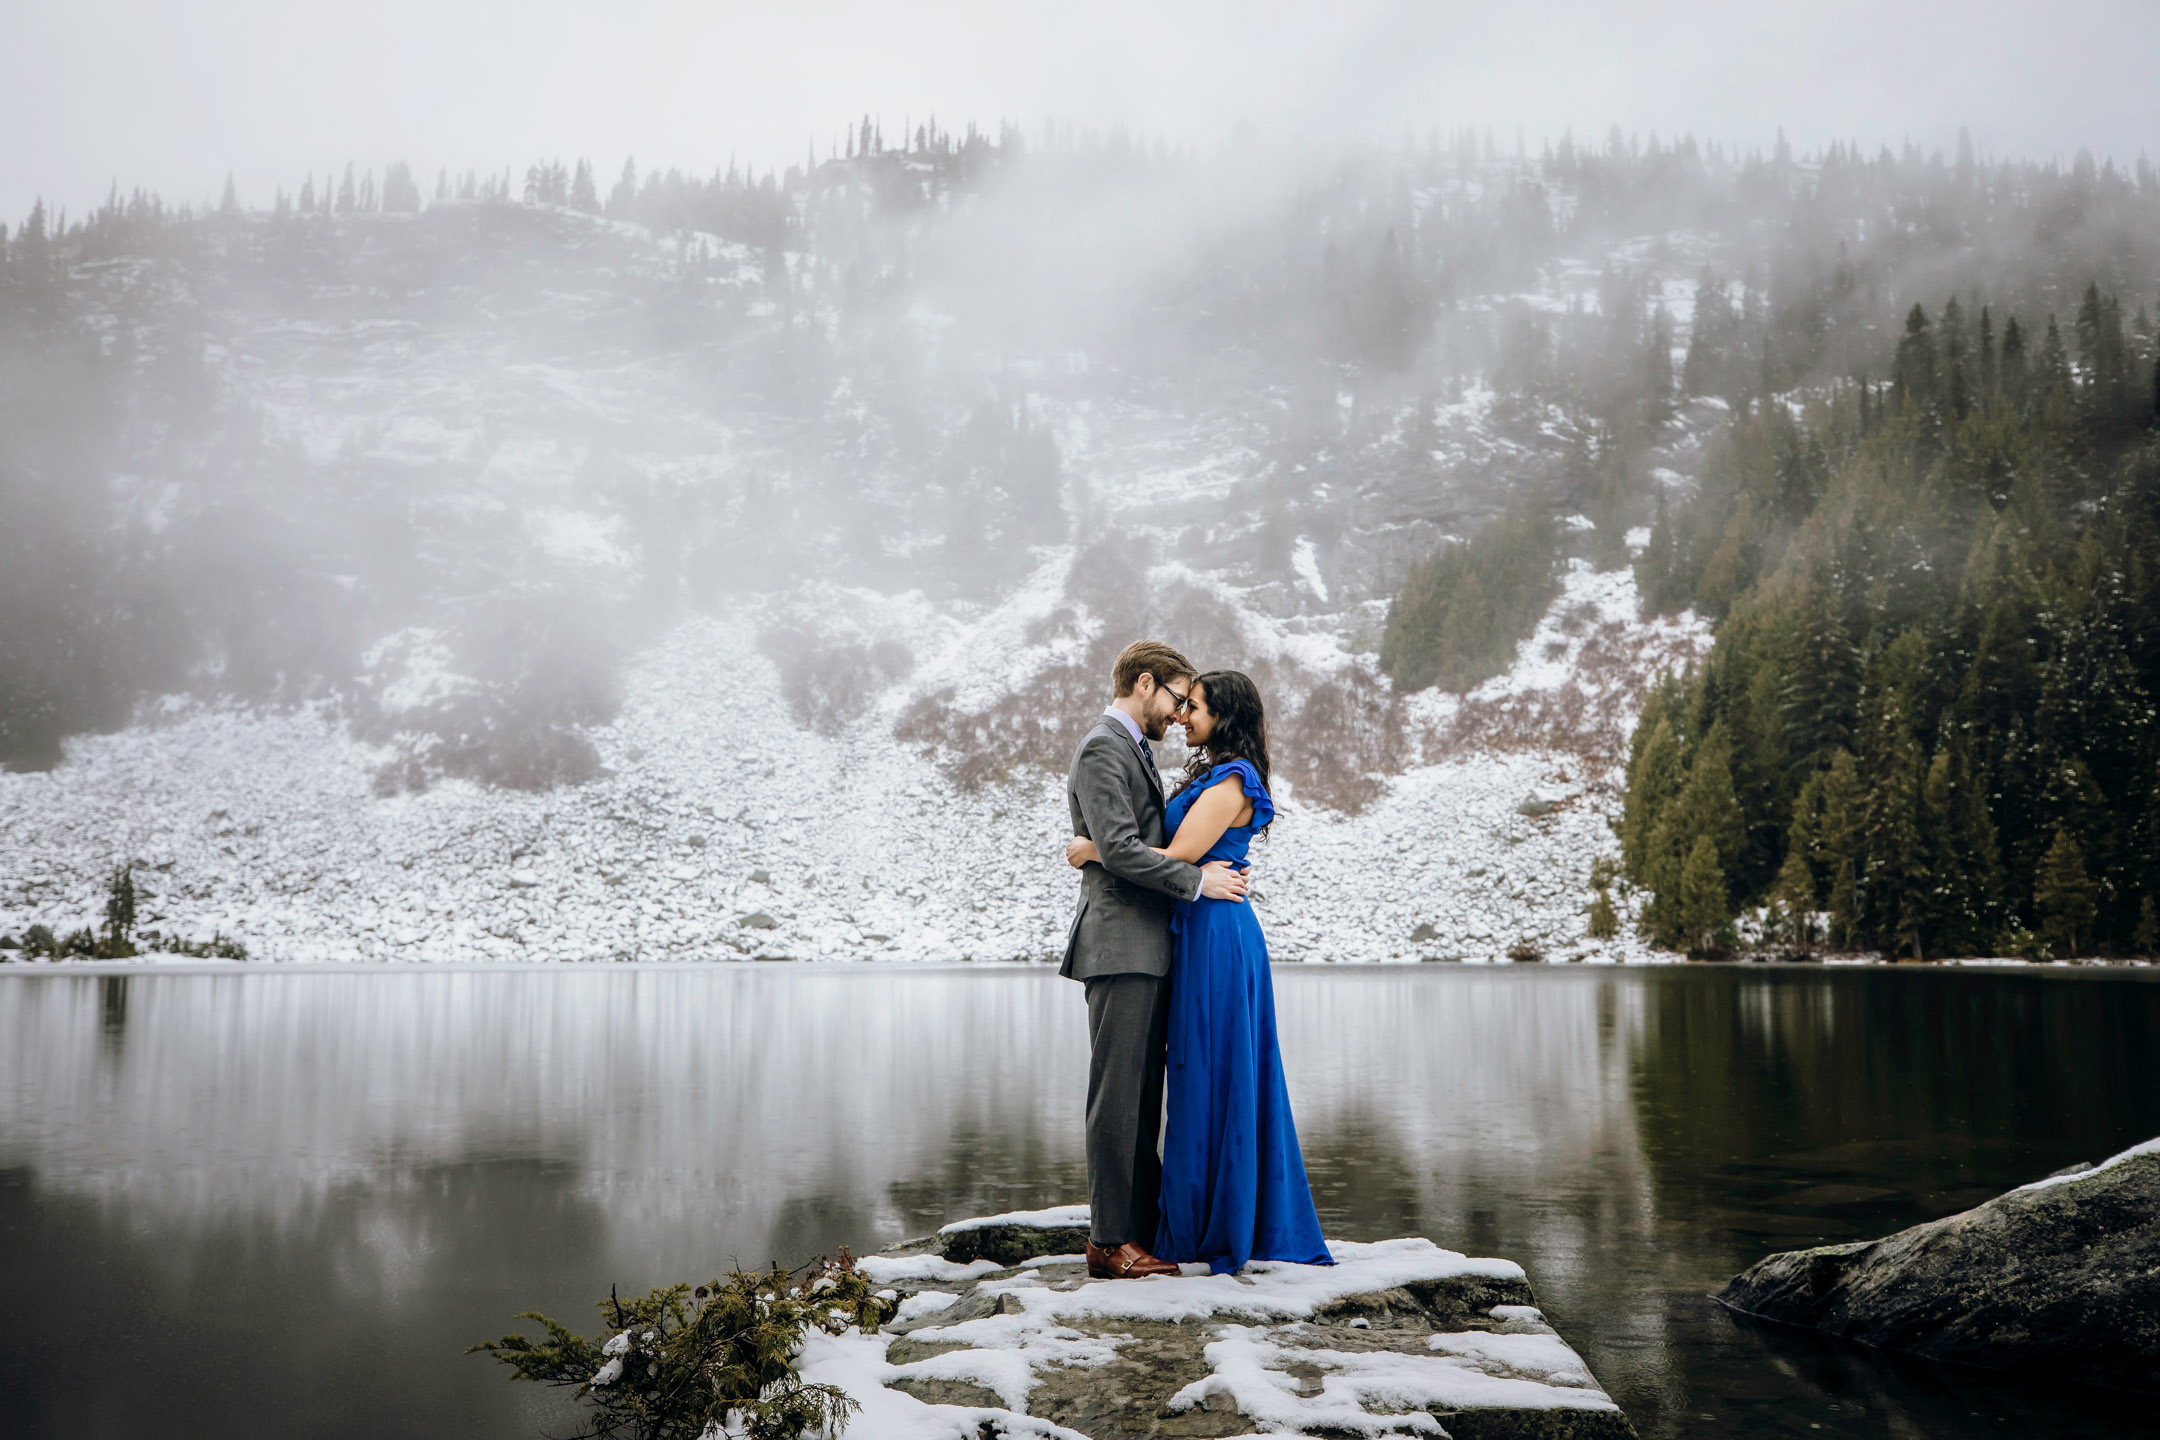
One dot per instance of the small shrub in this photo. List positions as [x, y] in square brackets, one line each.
[2020, 943]
[719, 1360]
[1525, 952]
[218, 947]
[828, 685]
[1340, 739]
[1604, 916]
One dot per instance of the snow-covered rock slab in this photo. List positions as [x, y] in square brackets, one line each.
[1018, 1237]
[1399, 1337]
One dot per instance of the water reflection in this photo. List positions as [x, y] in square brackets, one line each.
[281, 1203]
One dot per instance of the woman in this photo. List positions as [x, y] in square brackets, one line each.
[1234, 1185]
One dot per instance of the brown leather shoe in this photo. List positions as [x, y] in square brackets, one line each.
[1127, 1262]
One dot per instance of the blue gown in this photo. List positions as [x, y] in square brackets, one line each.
[1233, 1186]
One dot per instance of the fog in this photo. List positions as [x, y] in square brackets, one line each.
[174, 97]
[445, 404]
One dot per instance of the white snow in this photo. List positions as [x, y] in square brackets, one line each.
[263, 824]
[1057, 1217]
[883, 1270]
[2149, 1147]
[856, 1363]
[1478, 1371]
[925, 1302]
[1306, 561]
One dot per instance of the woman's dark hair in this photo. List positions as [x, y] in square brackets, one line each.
[1240, 731]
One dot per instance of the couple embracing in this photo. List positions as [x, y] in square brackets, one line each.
[1191, 1152]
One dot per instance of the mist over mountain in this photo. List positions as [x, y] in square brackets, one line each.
[434, 458]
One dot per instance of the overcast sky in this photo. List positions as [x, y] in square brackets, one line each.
[172, 95]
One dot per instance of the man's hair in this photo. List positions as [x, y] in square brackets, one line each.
[1148, 657]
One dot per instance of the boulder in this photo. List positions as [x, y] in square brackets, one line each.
[1022, 1235]
[2058, 1278]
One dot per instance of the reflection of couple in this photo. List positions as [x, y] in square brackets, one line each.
[1176, 973]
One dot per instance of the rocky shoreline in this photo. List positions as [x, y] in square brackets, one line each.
[1000, 1332]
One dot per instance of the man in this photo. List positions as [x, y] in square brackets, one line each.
[1120, 949]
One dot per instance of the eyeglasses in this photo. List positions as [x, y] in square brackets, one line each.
[1180, 704]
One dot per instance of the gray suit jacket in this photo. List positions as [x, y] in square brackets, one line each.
[1123, 924]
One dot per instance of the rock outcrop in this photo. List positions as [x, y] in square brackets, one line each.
[2060, 1277]
[1398, 1338]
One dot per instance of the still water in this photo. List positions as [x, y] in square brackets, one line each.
[281, 1203]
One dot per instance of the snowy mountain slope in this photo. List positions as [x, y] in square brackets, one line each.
[519, 463]
[725, 830]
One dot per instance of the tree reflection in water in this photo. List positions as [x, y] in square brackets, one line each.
[281, 1203]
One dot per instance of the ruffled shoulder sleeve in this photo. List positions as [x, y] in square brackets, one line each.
[1263, 805]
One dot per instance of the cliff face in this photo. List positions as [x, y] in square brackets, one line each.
[2060, 1277]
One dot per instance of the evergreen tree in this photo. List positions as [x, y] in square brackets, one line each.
[2015, 382]
[1989, 383]
[1604, 915]
[1914, 374]
[1896, 876]
[2064, 894]
[1965, 871]
[118, 942]
[582, 194]
[2054, 377]
[1840, 842]
[1957, 384]
[400, 192]
[1705, 918]
[1792, 904]
[623, 198]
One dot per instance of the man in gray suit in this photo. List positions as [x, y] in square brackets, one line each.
[1120, 949]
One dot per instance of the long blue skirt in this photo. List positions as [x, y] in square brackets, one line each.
[1234, 1186]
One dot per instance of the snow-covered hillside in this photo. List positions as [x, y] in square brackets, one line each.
[722, 829]
[539, 585]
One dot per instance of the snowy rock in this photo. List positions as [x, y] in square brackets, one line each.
[1400, 1337]
[2059, 1278]
[1015, 1238]
[758, 920]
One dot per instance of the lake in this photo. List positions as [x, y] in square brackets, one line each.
[281, 1202]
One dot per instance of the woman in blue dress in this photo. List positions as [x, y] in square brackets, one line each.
[1234, 1186]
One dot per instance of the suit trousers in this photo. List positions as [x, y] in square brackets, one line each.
[1128, 1037]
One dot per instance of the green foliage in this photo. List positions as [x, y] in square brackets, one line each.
[219, 946]
[2063, 894]
[1463, 609]
[119, 938]
[1704, 918]
[679, 1364]
[1930, 710]
[1604, 915]
[1791, 922]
